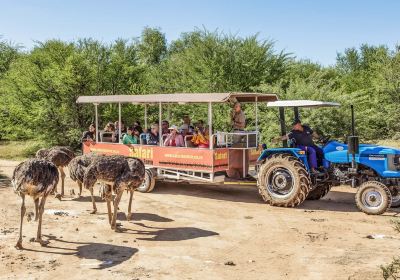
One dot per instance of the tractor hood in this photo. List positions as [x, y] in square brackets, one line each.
[384, 160]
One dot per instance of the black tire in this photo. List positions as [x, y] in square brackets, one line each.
[149, 182]
[373, 198]
[395, 197]
[283, 181]
[319, 192]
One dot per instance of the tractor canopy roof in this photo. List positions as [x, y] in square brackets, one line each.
[180, 98]
[302, 104]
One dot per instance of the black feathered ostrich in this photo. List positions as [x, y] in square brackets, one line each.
[36, 178]
[119, 173]
[77, 168]
[60, 156]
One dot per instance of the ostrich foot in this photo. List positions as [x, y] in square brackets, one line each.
[94, 211]
[19, 245]
[118, 229]
[59, 196]
[42, 242]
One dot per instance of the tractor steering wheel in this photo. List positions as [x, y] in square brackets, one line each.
[324, 139]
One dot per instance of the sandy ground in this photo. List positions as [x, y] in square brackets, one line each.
[191, 232]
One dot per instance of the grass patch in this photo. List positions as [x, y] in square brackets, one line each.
[392, 270]
[19, 150]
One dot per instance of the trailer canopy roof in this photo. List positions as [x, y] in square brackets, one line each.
[302, 103]
[179, 98]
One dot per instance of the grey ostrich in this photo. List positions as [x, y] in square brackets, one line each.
[77, 168]
[118, 173]
[36, 178]
[60, 156]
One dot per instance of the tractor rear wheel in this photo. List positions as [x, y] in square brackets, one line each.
[373, 198]
[395, 197]
[149, 182]
[283, 181]
[319, 192]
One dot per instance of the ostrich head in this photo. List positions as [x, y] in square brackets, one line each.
[42, 153]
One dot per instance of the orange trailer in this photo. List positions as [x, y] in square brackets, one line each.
[226, 161]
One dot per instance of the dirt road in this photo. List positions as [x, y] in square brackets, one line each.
[194, 232]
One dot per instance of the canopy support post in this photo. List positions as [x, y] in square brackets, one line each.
[296, 113]
[145, 117]
[160, 122]
[257, 134]
[210, 119]
[97, 122]
[283, 125]
[119, 122]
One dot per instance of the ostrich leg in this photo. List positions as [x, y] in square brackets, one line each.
[36, 209]
[116, 202]
[109, 209]
[93, 202]
[23, 210]
[62, 173]
[80, 188]
[39, 231]
[130, 205]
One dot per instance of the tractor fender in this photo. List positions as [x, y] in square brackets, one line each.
[296, 152]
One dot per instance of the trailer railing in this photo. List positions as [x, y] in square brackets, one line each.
[235, 140]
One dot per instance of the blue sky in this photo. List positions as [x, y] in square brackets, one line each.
[316, 30]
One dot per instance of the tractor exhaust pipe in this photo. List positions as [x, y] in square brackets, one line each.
[353, 148]
[353, 129]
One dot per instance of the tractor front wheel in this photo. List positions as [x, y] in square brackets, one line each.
[149, 182]
[283, 181]
[373, 198]
[319, 192]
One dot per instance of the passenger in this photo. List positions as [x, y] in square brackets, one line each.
[187, 121]
[89, 135]
[153, 137]
[238, 122]
[165, 126]
[201, 138]
[130, 138]
[109, 132]
[123, 128]
[200, 126]
[136, 125]
[174, 138]
[185, 130]
[303, 137]
[238, 118]
[116, 132]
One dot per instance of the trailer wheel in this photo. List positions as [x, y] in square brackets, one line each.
[319, 192]
[283, 181]
[373, 198]
[149, 182]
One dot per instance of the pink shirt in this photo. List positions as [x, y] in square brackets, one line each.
[178, 140]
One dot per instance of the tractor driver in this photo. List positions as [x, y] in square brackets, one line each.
[302, 136]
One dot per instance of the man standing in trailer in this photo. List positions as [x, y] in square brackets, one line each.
[238, 122]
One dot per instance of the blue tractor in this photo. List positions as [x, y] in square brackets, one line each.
[284, 177]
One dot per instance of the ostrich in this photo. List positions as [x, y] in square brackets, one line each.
[36, 178]
[77, 168]
[118, 173]
[60, 156]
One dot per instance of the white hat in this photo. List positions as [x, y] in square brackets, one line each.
[173, 127]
